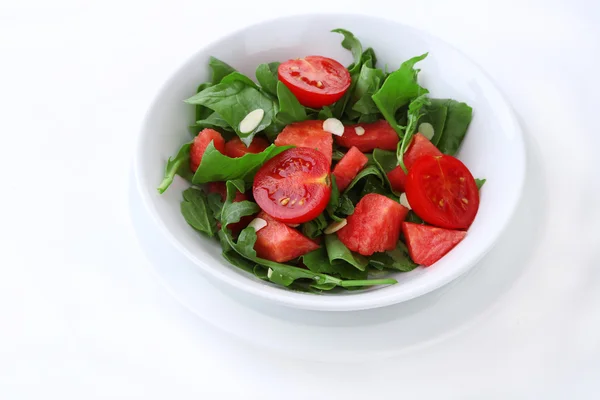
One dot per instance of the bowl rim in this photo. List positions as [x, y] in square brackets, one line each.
[310, 301]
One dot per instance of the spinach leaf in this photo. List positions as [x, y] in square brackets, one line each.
[239, 77]
[337, 155]
[314, 228]
[213, 121]
[180, 165]
[195, 210]
[479, 183]
[458, 120]
[216, 167]
[219, 69]
[414, 114]
[350, 42]
[325, 113]
[413, 217]
[365, 172]
[290, 109]
[385, 161]
[202, 111]
[374, 185]
[435, 113]
[318, 261]
[266, 75]
[397, 90]
[397, 259]
[346, 206]
[368, 82]
[233, 100]
[336, 250]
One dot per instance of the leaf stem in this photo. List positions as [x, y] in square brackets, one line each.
[368, 282]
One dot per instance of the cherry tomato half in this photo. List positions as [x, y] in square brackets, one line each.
[315, 81]
[442, 191]
[294, 186]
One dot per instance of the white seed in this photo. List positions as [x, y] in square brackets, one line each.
[333, 125]
[269, 273]
[359, 130]
[426, 129]
[258, 224]
[335, 226]
[252, 120]
[293, 225]
[404, 201]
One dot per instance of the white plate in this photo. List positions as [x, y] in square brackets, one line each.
[493, 148]
[333, 337]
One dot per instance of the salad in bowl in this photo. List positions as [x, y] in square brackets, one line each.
[317, 176]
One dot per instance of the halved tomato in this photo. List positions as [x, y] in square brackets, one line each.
[427, 244]
[378, 135]
[307, 134]
[235, 148]
[348, 167]
[294, 186]
[442, 191]
[374, 226]
[420, 146]
[200, 144]
[219, 187]
[280, 243]
[315, 81]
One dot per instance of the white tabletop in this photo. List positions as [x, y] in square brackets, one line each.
[83, 317]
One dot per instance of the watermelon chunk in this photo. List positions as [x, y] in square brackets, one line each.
[427, 244]
[280, 243]
[235, 148]
[420, 146]
[377, 135]
[348, 167]
[307, 134]
[200, 144]
[374, 226]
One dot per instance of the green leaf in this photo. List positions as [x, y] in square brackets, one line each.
[414, 114]
[368, 82]
[457, 122]
[315, 227]
[397, 259]
[370, 170]
[213, 121]
[180, 165]
[233, 100]
[479, 183]
[385, 161]
[337, 155]
[350, 42]
[201, 111]
[232, 187]
[215, 204]
[318, 261]
[413, 217]
[398, 89]
[374, 185]
[233, 212]
[266, 75]
[216, 167]
[290, 109]
[219, 69]
[195, 210]
[435, 113]
[346, 206]
[239, 77]
[336, 250]
[325, 113]
[334, 200]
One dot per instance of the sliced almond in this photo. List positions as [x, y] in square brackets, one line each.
[269, 273]
[426, 129]
[258, 224]
[293, 225]
[335, 226]
[252, 120]
[404, 201]
[359, 130]
[333, 125]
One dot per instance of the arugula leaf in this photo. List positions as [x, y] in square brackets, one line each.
[368, 83]
[315, 227]
[216, 167]
[414, 114]
[266, 75]
[233, 100]
[479, 183]
[213, 121]
[336, 250]
[290, 109]
[374, 185]
[195, 210]
[318, 261]
[435, 114]
[365, 172]
[325, 113]
[180, 165]
[334, 200]
[215, 204]
[397, 90]
[350, 42]
[397, 259]
[346, 206]
[457, 122]
[201, 111]
[337, 155]
[233, 212]
[219, 69]
[385, 161]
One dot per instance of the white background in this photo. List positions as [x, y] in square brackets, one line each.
[82, 315]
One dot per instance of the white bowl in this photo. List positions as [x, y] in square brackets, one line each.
[493, 148]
